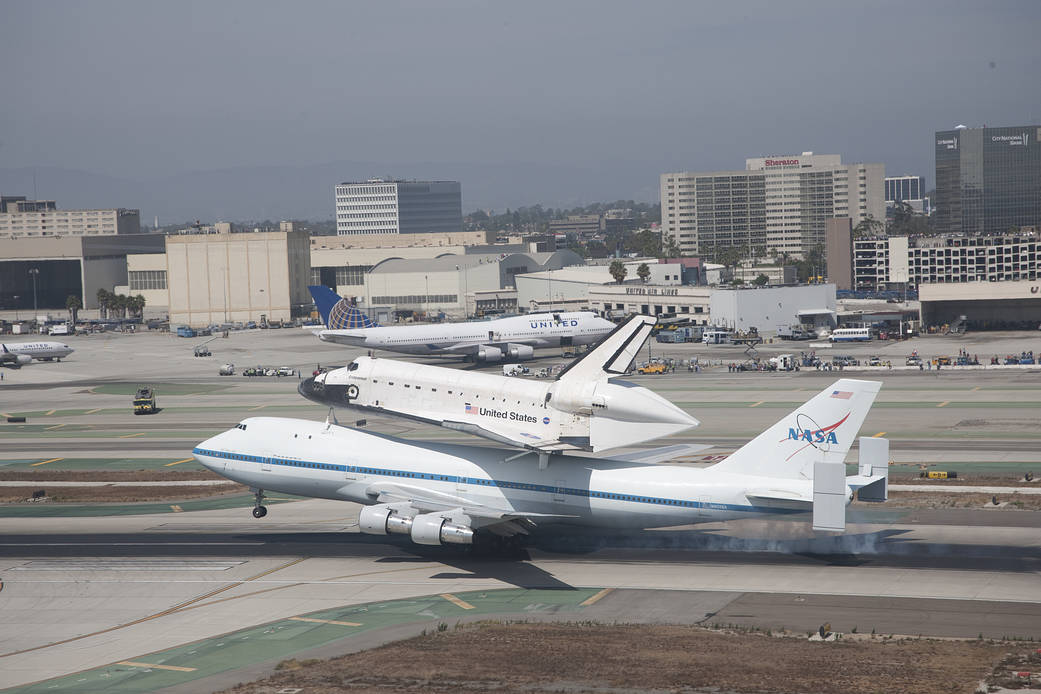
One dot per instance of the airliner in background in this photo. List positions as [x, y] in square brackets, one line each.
[582, 410]
[513, 339]
[21, 353]
[461, 495]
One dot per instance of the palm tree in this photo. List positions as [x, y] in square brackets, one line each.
[618, 271]
[104, 297]
[73, 304]
[643, 272]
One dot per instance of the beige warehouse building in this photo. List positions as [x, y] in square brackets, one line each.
[214, 278]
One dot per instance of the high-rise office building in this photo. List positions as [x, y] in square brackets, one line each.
[900, 188]
[988, 180]
[21, 218]
[379, 206]
[779, 203]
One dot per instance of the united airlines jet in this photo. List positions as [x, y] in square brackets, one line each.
[513, 339]
[21, 353]
[451, 494]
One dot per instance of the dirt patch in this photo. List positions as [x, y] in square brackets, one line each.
[583, 658]
[1024, 502]
[122, 494]
[42, 475]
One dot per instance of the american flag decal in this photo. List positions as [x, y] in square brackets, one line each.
[842, 394]
[470, 409]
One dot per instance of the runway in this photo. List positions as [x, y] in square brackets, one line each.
[159, 582]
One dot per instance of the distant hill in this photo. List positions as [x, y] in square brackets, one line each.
[306, 192]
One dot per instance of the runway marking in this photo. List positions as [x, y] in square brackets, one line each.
[757, 404]
[130, 436]
[157, 615]
[944, 403]
[178, 462]
[879, 435]
[49, 412]
[325, 621]
[258, 407]
[56, 426]
[176, 508]
[457, 601]
[594, 598]
[975, 389]
[175, 668]
[44, 462]
[92, 411]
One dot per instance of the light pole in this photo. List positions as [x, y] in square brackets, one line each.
[33, 272]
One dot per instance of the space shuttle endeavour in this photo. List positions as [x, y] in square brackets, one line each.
[582, 410]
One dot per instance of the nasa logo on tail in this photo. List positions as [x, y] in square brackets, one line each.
[807, 431]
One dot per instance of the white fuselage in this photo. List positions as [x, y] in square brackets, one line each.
[552, 415]
[37, 350]
[536, 330]
[331, 462]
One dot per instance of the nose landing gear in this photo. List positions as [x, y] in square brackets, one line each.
[259, 511]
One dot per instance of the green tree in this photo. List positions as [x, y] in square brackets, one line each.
[672, 249]
[73, 304]
[761, 281]
[104, 297]
[869, 226]
[618, 271]
[643, 272]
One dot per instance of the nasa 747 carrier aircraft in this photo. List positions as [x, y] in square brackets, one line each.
[21, 353]
[513, 338]
[450, 494]
[580, 410]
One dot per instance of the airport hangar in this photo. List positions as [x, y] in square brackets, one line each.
[1006, 305]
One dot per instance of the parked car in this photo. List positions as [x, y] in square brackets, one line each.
[285, 371]
[227, 370]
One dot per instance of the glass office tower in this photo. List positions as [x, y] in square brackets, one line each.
[988, 180]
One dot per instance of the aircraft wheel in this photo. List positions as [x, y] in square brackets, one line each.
[259, 511]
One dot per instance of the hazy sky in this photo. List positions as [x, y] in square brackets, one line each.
[149, 88]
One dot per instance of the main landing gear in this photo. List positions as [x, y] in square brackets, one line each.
[259, 511]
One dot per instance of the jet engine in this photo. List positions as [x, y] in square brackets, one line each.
[22, 359]
[488, 354]
[520, 352]
[425, 529]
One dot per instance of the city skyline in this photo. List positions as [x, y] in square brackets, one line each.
[552, 104]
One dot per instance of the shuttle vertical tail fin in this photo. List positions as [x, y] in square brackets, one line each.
[820, 431]
[613, 354]
[337, 312]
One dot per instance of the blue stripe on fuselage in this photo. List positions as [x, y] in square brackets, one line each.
[502, 484]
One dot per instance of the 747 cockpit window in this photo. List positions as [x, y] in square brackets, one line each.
[353, 366]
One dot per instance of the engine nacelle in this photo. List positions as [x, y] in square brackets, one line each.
[382, 520]
[23, 359]
[520, 352]
[488, 354]
[433, 529]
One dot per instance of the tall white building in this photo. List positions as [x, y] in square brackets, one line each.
[778, 203]
[383, 206]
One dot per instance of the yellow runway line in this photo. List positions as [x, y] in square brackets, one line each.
[56, 426]
[49, 412]
[175, 668]
[879, 435]
[130, 436]
[178, 462]
[258, 407]
[92, 411]
[944, 403]
[325, 621]
[975, 389]
[44, 462]
[456, 601]
[176, 508]
[757, 404]
[594, 598]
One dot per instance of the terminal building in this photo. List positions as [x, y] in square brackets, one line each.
[383, 206]
[988, 180]
[777, 205]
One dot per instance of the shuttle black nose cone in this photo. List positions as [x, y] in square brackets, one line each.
[319, 392]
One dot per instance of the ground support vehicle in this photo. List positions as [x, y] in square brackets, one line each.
[144, 401]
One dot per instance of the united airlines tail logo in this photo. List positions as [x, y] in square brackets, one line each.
[809, 432]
